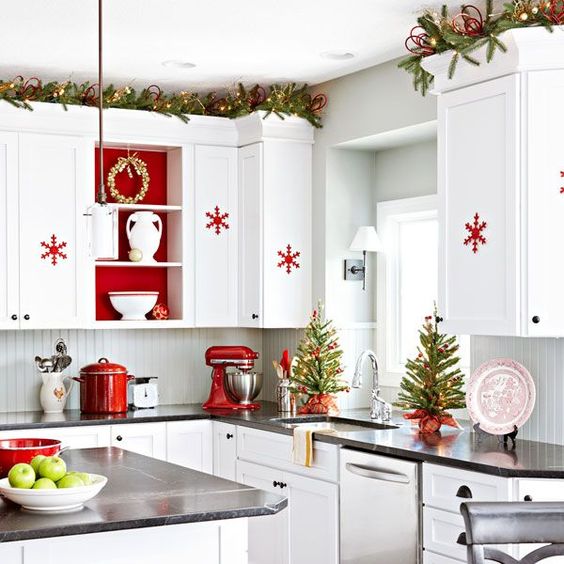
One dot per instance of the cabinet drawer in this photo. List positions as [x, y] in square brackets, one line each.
[433, 558]
[446, 488]
[440, 533]
[539, 490]
[82, 436]
[273, 449]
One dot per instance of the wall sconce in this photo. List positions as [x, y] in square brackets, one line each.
[365, 240]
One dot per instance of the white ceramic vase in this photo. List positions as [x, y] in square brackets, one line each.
[53, 395]
[143, 234]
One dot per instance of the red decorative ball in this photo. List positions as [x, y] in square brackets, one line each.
[161, 312]
[429, 424]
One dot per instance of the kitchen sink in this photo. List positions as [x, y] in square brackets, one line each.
[326, 422]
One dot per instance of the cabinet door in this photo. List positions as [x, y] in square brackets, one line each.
[478, 164]
[143, 438]
[189, 443]
[83, 436]
[545, 214]
[9, 268]
[287, 234]
[268, 535]
[225, 450]
[56, 182]
[314, 507]
[216, 228]
[250, 236]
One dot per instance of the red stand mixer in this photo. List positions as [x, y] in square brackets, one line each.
[220, 358]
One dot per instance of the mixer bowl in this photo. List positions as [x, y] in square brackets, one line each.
[243, 387]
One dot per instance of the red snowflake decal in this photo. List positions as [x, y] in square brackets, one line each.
[53, 250]
[217, 220]
[475, 229]
[288, 259]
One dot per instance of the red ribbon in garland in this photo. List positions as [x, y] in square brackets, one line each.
[469, 22]
[419, 42]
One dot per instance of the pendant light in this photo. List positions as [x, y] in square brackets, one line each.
[104, 236]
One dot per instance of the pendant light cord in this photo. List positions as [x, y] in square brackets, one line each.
[101, 190]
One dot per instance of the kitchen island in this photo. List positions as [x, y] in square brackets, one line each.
[150, 512]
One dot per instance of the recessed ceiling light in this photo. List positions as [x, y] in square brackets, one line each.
[173, 63]
[338, 55]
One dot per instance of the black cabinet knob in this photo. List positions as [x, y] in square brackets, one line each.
[283, 485]
[119, 438]
[255, 316]
[536, 319]
[275, 483]
[229, 436]
[527, 498]
[439, 319]
[14, 317]
[465, 492]
[27, 317]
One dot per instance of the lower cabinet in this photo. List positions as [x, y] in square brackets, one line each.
[432, 558]
[310, 522]
[84, 436]
[143, 438]
[224, 450]
[189, 444]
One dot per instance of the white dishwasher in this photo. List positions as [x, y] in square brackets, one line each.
[380, 511]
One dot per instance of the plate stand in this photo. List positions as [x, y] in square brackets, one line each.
[481, 434]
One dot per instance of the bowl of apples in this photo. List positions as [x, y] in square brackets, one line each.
[46, 485]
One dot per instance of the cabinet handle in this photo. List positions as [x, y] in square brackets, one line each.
[275, 483]
[283, 485]
[14, 317]
[527, 498]
[119, 438]
[27, 317]
[229, 436]
[465, 492]
[536, 319]
[439, 319]
[254, 316]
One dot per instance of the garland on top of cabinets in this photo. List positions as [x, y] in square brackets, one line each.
[280, 99]
[469, 30]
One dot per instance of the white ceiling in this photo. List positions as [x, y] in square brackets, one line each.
[228, 40]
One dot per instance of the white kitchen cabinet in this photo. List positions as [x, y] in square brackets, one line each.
[148, 439]
[189, 443]
[216, 236]
[433, 558]
[83, 436]
[313, 506]
[275, 237]
[224, 450]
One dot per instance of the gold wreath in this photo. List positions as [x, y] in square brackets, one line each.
[140, 167]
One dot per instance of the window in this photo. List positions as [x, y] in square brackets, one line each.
[407, 280]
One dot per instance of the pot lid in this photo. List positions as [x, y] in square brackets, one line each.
[103, 366]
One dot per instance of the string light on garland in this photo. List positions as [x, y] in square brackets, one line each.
[281, 99]
[128, 163]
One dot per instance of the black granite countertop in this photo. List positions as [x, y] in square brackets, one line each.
[141, 492]
[451, 447]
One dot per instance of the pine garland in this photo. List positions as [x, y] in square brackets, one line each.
[468, 31]
[280, 99]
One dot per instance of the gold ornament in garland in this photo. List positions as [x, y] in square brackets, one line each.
[130, 163]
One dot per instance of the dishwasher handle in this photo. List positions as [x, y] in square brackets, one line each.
[377, 474]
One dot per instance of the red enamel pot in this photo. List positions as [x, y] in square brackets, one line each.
[103, 387]
[14, 451]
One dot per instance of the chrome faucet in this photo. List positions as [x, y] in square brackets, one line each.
[379, 409]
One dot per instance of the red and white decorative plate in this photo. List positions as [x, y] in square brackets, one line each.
[500, 394]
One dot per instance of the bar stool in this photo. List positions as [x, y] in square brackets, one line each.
[490, 523]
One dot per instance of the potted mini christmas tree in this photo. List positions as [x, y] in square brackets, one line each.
[317, 371]
[433, 383]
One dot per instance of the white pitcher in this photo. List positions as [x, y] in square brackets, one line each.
[53, 395]
[144, 235]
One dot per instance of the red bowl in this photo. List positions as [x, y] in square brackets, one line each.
[13, 451]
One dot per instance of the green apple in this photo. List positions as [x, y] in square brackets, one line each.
[21, 476]
[44, 484]
[84, 476]
[36, 461]
[70, 481]
[53, 468]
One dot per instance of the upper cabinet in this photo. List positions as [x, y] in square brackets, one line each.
[501, 193]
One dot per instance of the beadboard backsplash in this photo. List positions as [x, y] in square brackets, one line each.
[176, 356]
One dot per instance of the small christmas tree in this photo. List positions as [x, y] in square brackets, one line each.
[433, 383]
[318, 366]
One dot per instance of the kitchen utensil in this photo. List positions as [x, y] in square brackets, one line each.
[143, 393]
[220, 358]
[103, 387]
[64, 499]
[133, 305]
[284, 397]
[13, 451]
[243, 386]
[500, 395]
[144, 234]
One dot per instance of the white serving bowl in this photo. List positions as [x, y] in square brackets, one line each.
[133, 306]
[64, 499]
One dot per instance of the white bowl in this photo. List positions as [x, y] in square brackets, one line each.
[63, 499]
[133, 306]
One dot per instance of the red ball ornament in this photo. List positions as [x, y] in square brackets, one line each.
[429, 424]
[161, 312]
